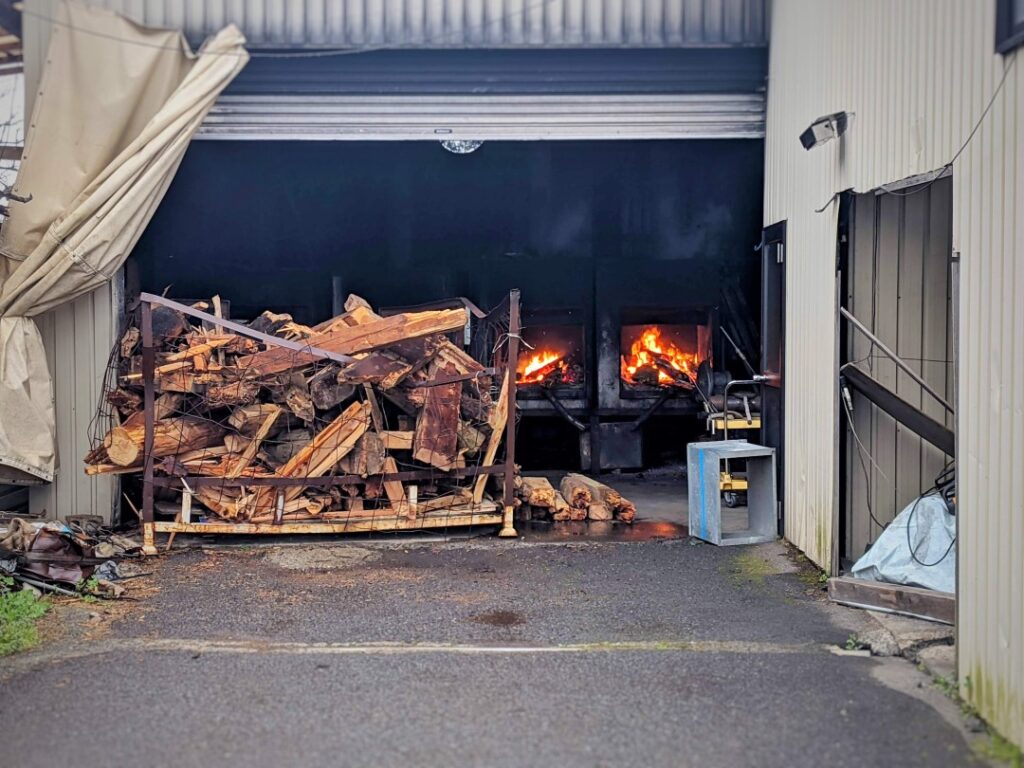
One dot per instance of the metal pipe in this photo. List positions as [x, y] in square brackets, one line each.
[736, 348]
[895, 358]
[295, 346]
[148, 408]
[662, 399]
[511, 365]
[562, 410]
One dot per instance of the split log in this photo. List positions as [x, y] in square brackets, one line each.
[167, 323]
[125, 401]
[561, 510]
[622, 508]
[538, 492]
[296, 397]
[124, 444]
[241, 392]
[350, 340]
[470, 439]
[329, 447]
[246, 457]
[380, 368]
[326, 391]
[367, 458]
[436, 439]
[598, 511]
[211, 343]
[288, 443]
[577, 494]
[129, 341]
[248, 418]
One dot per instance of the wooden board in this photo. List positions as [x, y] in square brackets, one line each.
[486, 514]
[437, 428]
[497, 424]
[895, 598]
[350, 340]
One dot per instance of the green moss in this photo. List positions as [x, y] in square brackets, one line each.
[18, 614]
[1000, 750]
[995, 702]
[750, 568]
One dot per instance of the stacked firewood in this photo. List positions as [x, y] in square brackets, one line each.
[398, 395]
[577, 498]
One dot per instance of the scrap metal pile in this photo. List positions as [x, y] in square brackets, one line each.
[354, 400]
[79, 557]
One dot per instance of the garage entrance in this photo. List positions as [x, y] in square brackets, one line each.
[620, 191]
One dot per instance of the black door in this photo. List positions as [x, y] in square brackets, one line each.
[773, 345]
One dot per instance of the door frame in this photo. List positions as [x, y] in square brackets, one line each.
[775, 235]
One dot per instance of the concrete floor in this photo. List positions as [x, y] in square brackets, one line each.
[661, 497]
[659, 652]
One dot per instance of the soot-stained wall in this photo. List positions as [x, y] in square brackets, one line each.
[267, 224]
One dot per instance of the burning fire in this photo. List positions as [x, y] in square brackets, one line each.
[544, 365]
[650, 358]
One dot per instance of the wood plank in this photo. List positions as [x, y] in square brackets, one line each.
[245, 459]
[396, 491]
[350, 340]
[497, 424]
[395, 440]
[895, 598]
[437, 429]
[485, 515]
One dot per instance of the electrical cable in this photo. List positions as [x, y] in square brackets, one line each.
[948, 166]
[861, 451]
[943, 487]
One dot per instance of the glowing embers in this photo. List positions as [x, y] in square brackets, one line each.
[556, 357]
[660, 355]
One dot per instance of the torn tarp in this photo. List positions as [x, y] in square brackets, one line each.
[116, 108]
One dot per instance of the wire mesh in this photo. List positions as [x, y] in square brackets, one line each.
[260, 433]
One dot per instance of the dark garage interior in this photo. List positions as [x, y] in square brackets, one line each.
[600, 236]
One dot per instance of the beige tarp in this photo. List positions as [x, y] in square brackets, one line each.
[118, 104]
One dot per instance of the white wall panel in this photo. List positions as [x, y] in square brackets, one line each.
[918, 74]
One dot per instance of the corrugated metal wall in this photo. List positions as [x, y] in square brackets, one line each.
[899, 286]
[419, 24]
[78, 338]
[918, 74]
[459, 23]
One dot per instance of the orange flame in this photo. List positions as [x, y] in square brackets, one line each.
[538, 367]
[650, 353]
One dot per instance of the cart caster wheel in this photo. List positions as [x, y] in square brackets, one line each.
[730, 498]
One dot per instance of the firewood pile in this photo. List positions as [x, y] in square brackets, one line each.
[397, 396]
[577, 498]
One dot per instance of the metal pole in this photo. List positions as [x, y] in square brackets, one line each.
[507, 528]
[895, 358]
[148, 355]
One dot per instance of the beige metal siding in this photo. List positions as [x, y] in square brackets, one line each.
[918, 74]
[404, 118]
[458, 23]
[357, 24]
[78, 338]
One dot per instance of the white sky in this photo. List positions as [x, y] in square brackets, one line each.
[12, 121]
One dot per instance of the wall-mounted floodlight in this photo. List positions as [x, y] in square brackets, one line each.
[825, 128]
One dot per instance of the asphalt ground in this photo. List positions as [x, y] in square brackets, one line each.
[483, 653]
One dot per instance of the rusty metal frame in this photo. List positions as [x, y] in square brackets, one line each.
[359, 522]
